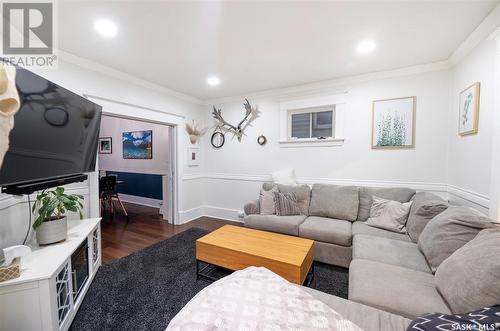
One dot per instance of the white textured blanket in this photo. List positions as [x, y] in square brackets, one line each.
[257, 299]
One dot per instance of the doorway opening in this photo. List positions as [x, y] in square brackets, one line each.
[136, 167]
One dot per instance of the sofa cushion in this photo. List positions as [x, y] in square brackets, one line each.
[365, 198]
[390, 251]
[366, 317]
[482, 319]
[470, 278]
[389, 214]
[274, 223]
[303, 194]
[328, 230]
[334, 201]
[449, 231]
[398, 290]
[361, 228]
[424, 208]
[286, 204]
[252, 207]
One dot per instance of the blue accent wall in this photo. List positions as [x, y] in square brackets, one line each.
[141, 185]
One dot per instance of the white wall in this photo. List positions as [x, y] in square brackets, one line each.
[86, 78]
[441, 160]
[114, 127]
[469, 157]
[236, 170]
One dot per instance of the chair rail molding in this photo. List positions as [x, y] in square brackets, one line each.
[447, 191]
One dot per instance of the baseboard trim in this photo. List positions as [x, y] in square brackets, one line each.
[210, 211]
[149, 202]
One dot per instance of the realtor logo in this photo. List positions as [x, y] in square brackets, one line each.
[28, 33]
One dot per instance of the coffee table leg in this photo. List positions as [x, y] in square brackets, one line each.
[310, 276]
[197, 269]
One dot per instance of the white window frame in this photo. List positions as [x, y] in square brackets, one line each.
[337, 103]
[310, 111]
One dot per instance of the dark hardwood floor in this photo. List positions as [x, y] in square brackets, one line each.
[144, 228]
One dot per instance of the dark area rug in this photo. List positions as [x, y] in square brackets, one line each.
[145, 290]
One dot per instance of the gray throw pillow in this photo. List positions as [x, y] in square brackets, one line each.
[424, 208]
[470, 278]
[449, 231]
[286, 204]
[302, 193]
[400, 194]
[389, 214]
[334, 201]
[266, 201]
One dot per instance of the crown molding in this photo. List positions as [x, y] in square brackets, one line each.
[108, 71]
[482, 32]
[337, 84]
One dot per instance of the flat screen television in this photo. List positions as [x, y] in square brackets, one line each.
[55, 133]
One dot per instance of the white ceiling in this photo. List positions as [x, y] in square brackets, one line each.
[255, 46]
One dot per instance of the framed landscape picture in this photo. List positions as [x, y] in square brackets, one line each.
[393, 123]
[138, 144]
[468, 118]
[105, 145]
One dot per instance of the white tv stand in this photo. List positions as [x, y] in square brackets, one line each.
[45, 297]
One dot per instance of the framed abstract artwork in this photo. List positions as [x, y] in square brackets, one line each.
[393, 123]
[468, 118]
[105, 145]
[137, 144]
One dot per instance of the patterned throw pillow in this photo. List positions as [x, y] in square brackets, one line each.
[286, 204]
[484, 319]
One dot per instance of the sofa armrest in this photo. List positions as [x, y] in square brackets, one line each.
[252, 207]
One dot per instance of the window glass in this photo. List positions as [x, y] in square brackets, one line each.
[322, 124]
[301, 125]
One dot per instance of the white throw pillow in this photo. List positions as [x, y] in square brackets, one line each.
[284, 177]
[266, 201]
[389, 215]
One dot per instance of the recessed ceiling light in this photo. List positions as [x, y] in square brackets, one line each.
[213, 81]
[366, 46]
[106, 28]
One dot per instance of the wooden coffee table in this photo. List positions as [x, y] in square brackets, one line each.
[235, 248]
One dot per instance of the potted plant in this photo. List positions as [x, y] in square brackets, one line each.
[51, 224]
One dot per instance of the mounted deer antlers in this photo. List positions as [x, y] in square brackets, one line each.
[250, 115]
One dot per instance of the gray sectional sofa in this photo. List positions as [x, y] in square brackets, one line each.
[331, 215]
[387, 271]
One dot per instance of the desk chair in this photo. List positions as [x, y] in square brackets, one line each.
[107, 191]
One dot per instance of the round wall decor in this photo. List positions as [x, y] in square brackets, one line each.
[218, 138]
[262, 140]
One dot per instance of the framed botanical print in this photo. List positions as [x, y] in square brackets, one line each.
[393, 123]
[468, 118]
[105, 145]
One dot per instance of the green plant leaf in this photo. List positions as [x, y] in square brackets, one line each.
[56, 203]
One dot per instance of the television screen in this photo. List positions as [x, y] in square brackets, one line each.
[55, 133]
